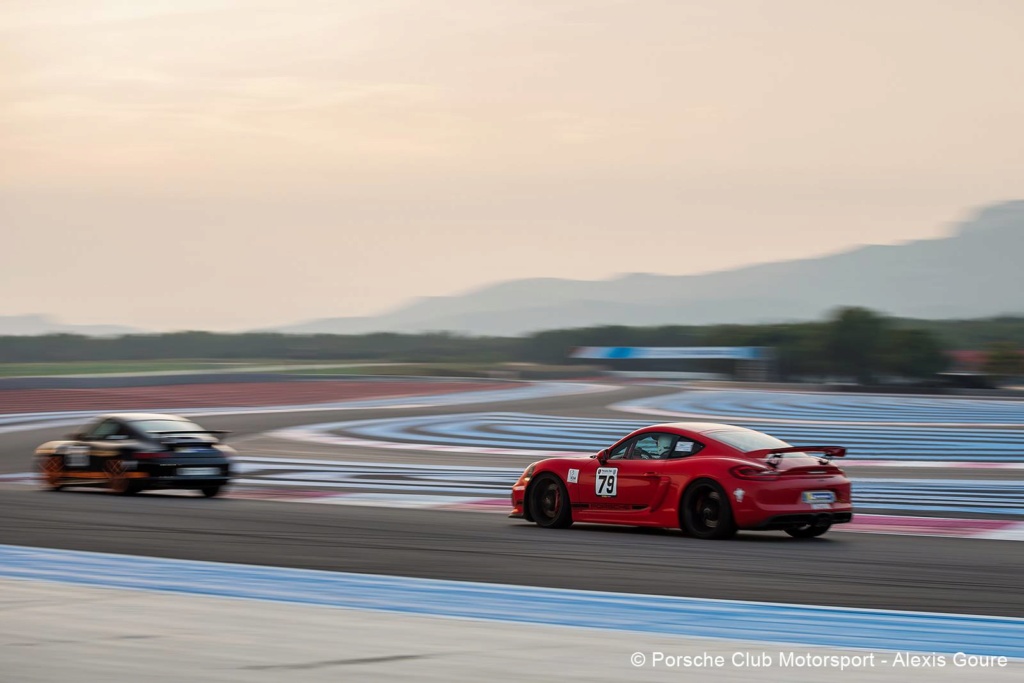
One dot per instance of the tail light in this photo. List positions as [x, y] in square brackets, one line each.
[150, 455]
[752, 472]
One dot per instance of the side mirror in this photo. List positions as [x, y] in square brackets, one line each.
[602, 455]
[75, 436]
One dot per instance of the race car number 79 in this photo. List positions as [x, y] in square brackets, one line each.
[607, 481]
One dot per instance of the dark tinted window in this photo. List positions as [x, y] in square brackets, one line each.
[103, 429]
[747, 440]
[154, 426]
[654, 446]
[620, 452]
[685, 447]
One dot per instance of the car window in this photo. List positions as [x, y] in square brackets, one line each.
[620, 452]
[120, 432]
[653, 446]
[747, 440]
[156, 426]
[102, 430]
[685, 447]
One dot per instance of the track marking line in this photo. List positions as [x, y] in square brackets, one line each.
[785, 623]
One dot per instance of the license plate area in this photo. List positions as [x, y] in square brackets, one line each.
[819, 497]
[198, 471]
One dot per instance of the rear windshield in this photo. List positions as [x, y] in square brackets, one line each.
[747, 440]
[153, 426]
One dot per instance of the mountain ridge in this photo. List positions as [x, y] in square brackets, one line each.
[972, 271]
[36, 324]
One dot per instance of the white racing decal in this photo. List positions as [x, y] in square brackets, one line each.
[574, 476]
[76, 456]
[607, 482]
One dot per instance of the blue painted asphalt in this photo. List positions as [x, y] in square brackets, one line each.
[1003, 498]
[588, 435]
[693, 617]
[26, 421]
[793, 405]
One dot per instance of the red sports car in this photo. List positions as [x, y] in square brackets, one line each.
[709, 479]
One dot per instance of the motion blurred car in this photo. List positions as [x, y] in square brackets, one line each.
[133, 452]
[708, 479]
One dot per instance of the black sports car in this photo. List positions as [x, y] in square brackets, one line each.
[132, 452]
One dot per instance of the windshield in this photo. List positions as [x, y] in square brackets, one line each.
[153, 426]
[747, 440]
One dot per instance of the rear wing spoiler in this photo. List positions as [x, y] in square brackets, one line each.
[774, 455]
[171, 435]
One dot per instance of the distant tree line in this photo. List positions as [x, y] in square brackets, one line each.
[1004, 359]
[853, 342]
[433, 347]
[980, 333]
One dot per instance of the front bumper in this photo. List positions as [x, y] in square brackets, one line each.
[518, 501]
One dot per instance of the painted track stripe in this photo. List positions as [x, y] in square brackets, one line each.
[510, 433]
[1003, 498]
[693, 617]
[475, 499]
[832, 408]
[15, 422]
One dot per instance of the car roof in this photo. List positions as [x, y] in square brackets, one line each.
[696, 427]
[134, 417]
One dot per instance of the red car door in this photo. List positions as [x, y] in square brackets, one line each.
[628, 480]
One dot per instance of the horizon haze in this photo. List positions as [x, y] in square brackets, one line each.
[224, 165]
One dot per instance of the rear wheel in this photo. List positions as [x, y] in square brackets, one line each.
[706, 511]
[211, 490]
[549, 503]
[809, 530]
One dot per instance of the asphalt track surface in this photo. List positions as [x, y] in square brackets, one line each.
[856, 570]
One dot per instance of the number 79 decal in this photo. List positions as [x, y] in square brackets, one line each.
[607, 482]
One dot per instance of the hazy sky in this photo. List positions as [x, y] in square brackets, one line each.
[217, 164]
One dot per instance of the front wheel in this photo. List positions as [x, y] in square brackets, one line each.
[53, 472]
[809, 530]
[706, 511]
[549, 503]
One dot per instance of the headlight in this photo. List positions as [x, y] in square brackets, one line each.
[529, 472]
